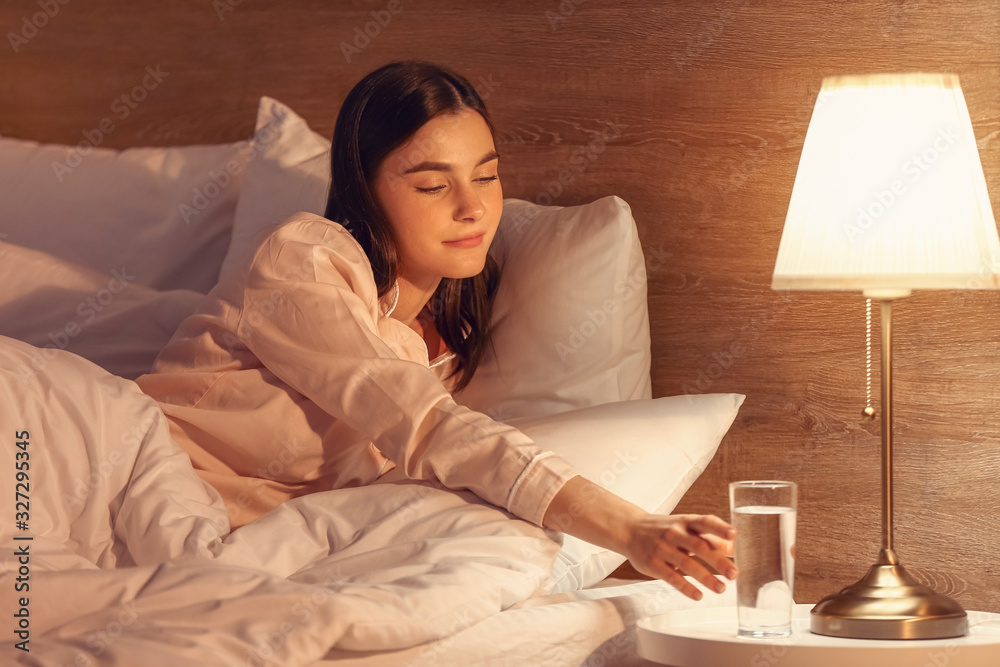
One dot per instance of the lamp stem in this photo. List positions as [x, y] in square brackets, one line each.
[888, 603]
[887, 426]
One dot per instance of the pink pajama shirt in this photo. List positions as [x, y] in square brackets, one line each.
[290, 379]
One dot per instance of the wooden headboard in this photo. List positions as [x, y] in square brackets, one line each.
[694, 112]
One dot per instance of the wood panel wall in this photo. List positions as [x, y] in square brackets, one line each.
[693, 111]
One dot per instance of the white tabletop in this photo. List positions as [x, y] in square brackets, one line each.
[707, 638]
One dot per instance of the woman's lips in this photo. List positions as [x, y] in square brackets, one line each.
[466, 242]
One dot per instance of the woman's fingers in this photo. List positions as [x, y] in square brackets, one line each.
[685, 564]
[709, 524]
[719, 544]
[668, 573]
[719, 535]
[688, 545]
[698, 545]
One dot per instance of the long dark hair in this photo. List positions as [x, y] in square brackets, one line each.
[381, 113]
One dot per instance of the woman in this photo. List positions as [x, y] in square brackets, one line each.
[323, 362]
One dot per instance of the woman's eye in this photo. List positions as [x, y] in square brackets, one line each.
[486, 180]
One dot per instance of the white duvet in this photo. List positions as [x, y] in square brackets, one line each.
[130, 560]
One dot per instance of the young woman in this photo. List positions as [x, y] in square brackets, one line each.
[328, 358]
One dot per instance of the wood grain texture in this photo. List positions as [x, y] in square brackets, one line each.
[706, 103]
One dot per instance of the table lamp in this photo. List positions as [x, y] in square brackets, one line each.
[889, 197]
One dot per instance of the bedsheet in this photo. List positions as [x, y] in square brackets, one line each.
[592, 628]
[127, 558]
[106, 317]
[131, 561]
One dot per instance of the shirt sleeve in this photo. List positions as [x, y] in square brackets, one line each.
[310, 315]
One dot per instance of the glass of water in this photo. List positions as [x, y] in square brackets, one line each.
[763, 513]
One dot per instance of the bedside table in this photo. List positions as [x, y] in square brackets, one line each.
[707, 638]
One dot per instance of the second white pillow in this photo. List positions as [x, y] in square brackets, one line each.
[647, 452]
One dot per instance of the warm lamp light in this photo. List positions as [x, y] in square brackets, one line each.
[889, 197]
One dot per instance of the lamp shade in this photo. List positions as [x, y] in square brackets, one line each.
[889, 195]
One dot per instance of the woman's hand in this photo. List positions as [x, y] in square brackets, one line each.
[664, 547]
[658, 545]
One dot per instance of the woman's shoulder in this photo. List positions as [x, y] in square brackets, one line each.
[305, 237]
[305, 227]
[308, 247]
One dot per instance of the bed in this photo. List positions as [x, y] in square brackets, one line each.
[124, 555]
[685, 125]
[127, 553]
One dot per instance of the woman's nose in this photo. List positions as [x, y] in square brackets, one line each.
[470, 205]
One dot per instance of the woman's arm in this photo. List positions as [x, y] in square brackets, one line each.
[658, 545]
[309, 314]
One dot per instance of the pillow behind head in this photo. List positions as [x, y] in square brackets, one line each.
[570, 322]
[571, 327]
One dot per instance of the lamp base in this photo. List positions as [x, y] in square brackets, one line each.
[888, 603]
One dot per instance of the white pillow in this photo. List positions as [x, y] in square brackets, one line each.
[162, 214]
[290, 172]
[649, 452]
[108, 318]
[571, 324]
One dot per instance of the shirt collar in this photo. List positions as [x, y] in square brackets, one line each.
[387, 308]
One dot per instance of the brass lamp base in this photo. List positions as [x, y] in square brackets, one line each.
[888, 603]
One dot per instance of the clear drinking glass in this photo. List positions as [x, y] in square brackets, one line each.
[763, 513]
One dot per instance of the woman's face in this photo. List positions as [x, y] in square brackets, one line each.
[441, 194]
